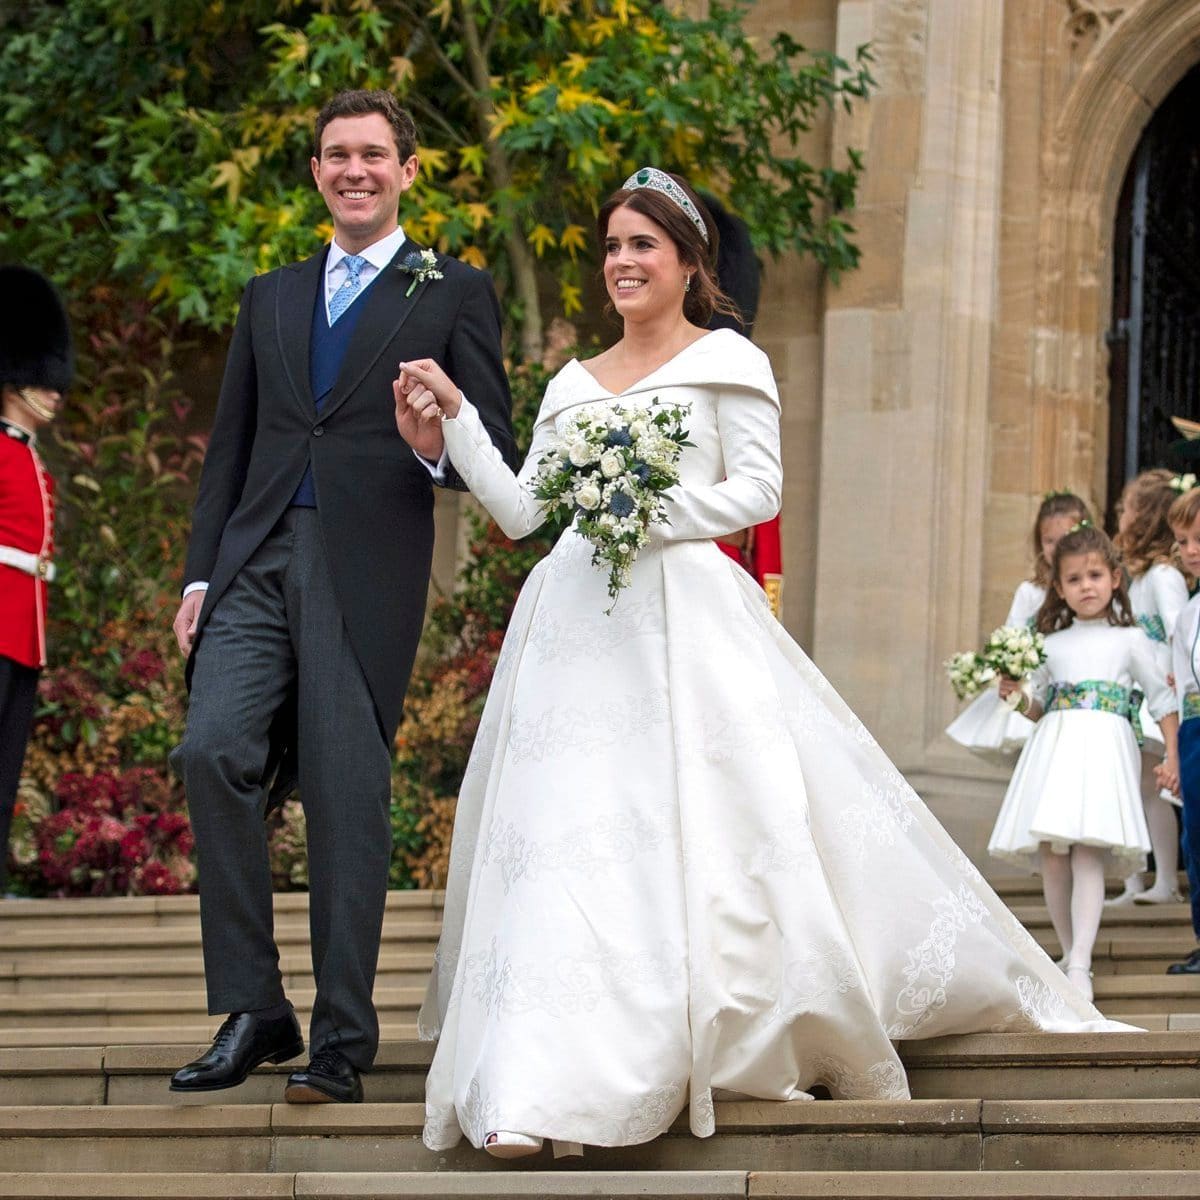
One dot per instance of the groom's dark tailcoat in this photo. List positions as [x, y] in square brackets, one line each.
[354, 572]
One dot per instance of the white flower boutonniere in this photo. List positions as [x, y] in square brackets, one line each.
[421, 265]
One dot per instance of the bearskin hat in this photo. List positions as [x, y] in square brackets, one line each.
[35, 340]
[738, 271]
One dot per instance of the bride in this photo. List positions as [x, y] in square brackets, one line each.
[681, 865]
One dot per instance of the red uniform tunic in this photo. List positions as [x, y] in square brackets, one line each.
[763, 558]
[26, 523]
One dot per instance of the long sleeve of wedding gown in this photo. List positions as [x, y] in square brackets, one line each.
[748, 425]
[508, 497]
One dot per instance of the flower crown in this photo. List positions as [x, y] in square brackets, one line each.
[655, 180]
[1084, 524]
[1055, 494]
[1183, 483]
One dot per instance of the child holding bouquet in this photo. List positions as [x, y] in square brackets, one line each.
[1158, 593]
[989, 727]
[1075, 801]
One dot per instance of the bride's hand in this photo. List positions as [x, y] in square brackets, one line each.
[418, 410]
[425, 383]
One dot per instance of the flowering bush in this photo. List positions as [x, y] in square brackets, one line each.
[99, 812]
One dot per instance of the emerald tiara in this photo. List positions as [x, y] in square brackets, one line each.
[660, 181]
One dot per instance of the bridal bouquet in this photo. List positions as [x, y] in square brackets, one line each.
[609, 470]
[1014, 651]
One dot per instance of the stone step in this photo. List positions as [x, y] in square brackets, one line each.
[192, 1035]
[523, 1184]
[999, 1066]
[1128, 921]
[164, 1008]
[100, 944]
[954, 1185]
[184, 973]
[148, 910]
[920, 1135]
[1115, 994]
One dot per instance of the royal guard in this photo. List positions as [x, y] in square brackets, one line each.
[35, 369]
[758, 549]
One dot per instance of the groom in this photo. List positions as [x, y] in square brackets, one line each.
[305, 587]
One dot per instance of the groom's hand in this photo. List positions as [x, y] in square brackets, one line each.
[419, 409]
[184, 624]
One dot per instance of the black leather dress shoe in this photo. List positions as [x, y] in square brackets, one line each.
[242, 1043]
[329, 1077]
[1189, 966]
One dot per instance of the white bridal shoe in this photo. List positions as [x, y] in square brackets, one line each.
[503, 1144]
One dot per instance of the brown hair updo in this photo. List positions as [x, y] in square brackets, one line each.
[705, 296]
[1056, 504]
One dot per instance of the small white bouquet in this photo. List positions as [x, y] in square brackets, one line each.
[609, 470]
[968, 673]
[1014, 651]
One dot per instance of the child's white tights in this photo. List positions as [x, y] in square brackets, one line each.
[1074, 888]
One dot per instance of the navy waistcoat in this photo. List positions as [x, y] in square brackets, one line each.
[327, 350]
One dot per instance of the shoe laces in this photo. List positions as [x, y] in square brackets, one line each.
[327, 1062]
[226, 1032]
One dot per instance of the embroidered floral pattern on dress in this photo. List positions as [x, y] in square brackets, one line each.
[571, 984]
[1190, 707]
[930, 966]
[560, 730]
[880, 1081]
[1099, 695]
[584, 850]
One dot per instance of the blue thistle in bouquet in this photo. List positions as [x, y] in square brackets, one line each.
[609, 471]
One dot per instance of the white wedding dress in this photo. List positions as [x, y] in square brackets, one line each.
[680, 864]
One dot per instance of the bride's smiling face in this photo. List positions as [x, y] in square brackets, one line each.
[642, 270]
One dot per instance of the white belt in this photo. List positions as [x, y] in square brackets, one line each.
[30, 563]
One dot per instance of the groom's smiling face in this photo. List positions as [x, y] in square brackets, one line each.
[360, 176]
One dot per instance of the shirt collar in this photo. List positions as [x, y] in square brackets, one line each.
[378, 254]
[17, 432]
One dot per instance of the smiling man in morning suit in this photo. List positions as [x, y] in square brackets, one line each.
[305, 588]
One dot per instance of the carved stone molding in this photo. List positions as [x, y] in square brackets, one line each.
[1089, 23]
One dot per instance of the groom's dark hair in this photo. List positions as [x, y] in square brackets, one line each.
[359, 104]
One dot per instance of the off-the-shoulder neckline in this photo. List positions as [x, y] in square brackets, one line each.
[638, 383]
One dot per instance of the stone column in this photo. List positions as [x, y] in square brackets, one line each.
[907, 349]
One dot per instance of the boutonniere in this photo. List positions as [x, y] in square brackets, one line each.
[421, 265]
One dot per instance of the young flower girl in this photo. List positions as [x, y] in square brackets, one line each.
[1158, 594]
[988, 727]
[1075, 801]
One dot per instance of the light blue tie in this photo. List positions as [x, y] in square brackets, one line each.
[349, 289]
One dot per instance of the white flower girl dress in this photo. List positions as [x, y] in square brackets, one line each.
[680, 863]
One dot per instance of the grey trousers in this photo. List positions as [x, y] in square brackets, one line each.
[279, 627]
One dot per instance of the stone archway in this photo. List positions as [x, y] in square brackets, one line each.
[1132, 56]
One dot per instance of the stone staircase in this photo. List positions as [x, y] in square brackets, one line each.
[101, 1000]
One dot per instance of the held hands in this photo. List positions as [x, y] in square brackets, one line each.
[184, 624]
[1166, 775]
[425, 396]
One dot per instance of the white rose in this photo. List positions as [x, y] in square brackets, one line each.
[579, 452]
[588, 497]
[611, 464]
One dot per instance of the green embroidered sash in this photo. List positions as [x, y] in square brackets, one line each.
[1190, 706]
[1154, 628]
[1100, 695]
